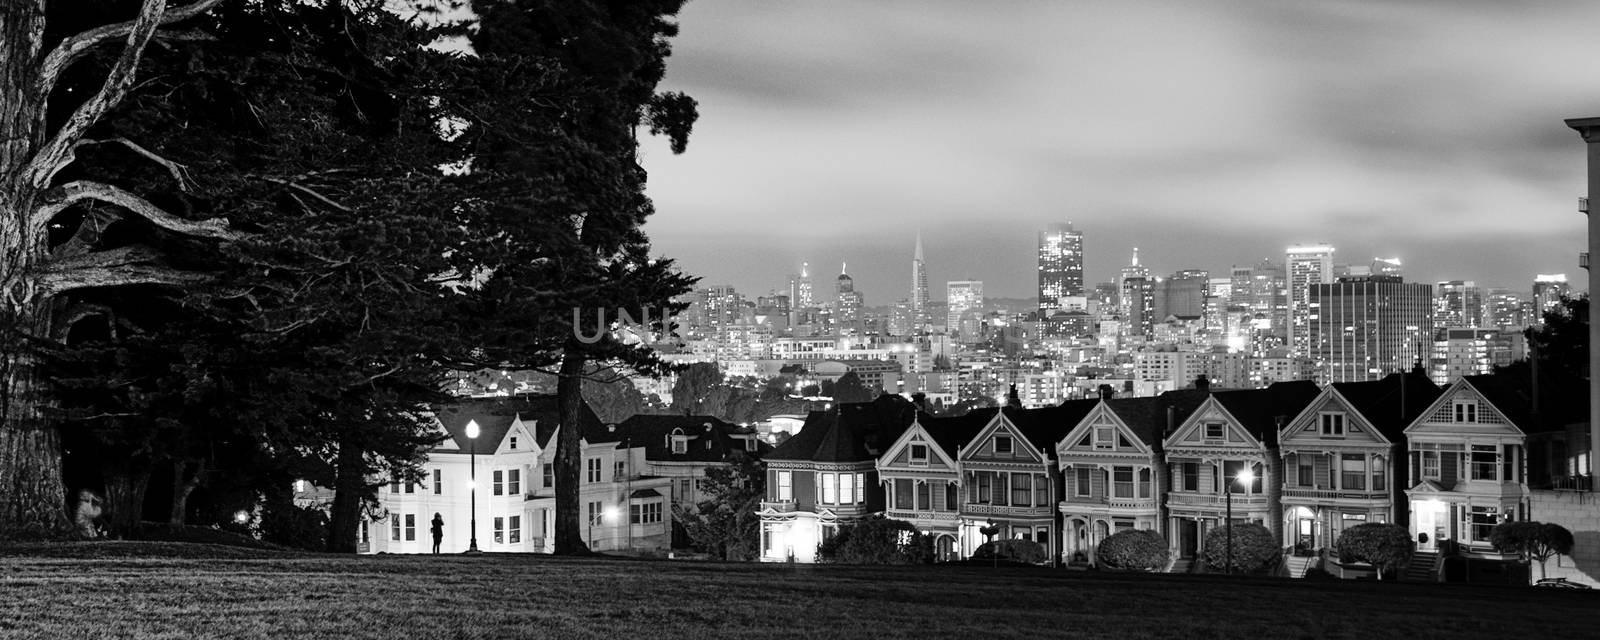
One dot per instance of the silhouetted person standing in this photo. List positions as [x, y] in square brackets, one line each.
[438, 531]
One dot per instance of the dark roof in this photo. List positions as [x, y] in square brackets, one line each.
[1389, 406]
[1147, 417]
[1263, 411]
[953, 432]
[494, 416]
[849, 432]
[1563, 400]
[653, 433]
[1046, 426]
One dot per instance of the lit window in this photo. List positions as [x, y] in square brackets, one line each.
[785, 486]
[1484, 462]
[830, 492]
[847, 487]
[1430, 465]
[861, 487]
[1353, 471]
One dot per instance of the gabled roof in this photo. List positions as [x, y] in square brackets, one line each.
[653, 433]
[1263, 411]
[849, 432]
[1386, 404]
[1563, 400]
[1147, 417]
[495, 414]
[953, 432]
[1046, 426]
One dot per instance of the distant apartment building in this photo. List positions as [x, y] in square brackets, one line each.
[1280, 367]
[1503, 308]
[1473, 351]
[962, 296]
[1457, 303]
[919, 289]
[1060, 265]
[1183, 294]
[1366, 327]
[1547, 292]
[1224, 370]
[1306, 266]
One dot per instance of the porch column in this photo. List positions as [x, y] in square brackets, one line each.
[1589, 128]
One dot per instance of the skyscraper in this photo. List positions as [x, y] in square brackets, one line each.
[848, 308]
[1182, 295]
[919, 288]
[1136, 297]
[1366, 327]
[1060, 265]
[1547, 291]
[1306, 265]
[803, 291]
[962, 296]
[1457, 304]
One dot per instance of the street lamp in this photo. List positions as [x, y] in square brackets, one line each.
[472, 448]
[1245, 475]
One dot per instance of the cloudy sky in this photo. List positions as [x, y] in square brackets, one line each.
[1207, 134]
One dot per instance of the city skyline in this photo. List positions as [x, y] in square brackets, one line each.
[1217, 135]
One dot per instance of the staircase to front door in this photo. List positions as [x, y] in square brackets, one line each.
[1297, 565]
[1424, 565]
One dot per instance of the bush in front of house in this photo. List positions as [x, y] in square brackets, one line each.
[1254, 548]
[1385, 546]
[1023, 551]
[1133, 550]
[876, 540]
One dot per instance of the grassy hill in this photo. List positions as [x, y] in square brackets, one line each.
[164, 590]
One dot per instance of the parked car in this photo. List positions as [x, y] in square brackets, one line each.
[1560, 583]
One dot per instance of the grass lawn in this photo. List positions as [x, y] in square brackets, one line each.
[171, 590]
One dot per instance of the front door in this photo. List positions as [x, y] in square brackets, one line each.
[1188, 535]
[1306, 537]
[1430, 524]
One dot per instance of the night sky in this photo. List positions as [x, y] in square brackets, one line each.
[1207, 136]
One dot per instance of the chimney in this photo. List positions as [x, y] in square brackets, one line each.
[1012, 401]
[1202, 383]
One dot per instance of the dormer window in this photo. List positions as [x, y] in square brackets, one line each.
[1214, 431]
[1104, 437]
[680, 442]
[749, 444]
[1332, 425]
[1466, 411]
[919, 454]
[1002, 444]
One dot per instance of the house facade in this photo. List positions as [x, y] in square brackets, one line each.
[826, 475]
[922, 481]
[1010, 475]
[1112, 467]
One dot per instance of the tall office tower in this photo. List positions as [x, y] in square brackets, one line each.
[1265, 297]
[847, 311]
[1103, 300]
[1136, 297]
[963, 295]
[1366, 327]
[1386, 267]
[1457, 304]
[1307, 265]
[1060, 265]
[1547, 291]
[899, 321]
[1502, 308]
[723, 305]
[1183, 295]
[802, 293]
[1239, 285]
[919, 288]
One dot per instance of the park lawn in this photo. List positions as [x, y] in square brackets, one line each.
[145, 590]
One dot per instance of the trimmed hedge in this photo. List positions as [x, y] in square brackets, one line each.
[1024, 551]
[1133, 550]
[1254, 548]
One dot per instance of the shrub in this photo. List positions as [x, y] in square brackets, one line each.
[1133, 550]
[875, 540]
[1024, 551]
[1254, 548]
[296, 527]
[1385, 546]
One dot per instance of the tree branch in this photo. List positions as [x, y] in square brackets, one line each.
[128, 265]
[58, 152]
[178, 171]
[310, 192]
[63, 196]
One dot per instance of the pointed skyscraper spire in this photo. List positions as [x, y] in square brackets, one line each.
[918, 255]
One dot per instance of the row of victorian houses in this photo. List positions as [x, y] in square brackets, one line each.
[494, 468]
[1448, 463]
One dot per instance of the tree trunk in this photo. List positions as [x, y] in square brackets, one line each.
[569, 460]
[349, 485]
[183, 484]
[125, 489]
[33, 500]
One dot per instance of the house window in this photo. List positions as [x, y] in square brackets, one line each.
[648, 513]
[1001, 489]
[1021, 489]
[1084, 482]
[595, 513]
[394, 528]
[985, 488]
[750, 444]
[1333, 425]
[1483, 520]
[861, 487]
[919, 454]
[514, 533]
[1353, 471]
[499, 482]
[411, 527]
[680, 445]
[1484, 461]
[411, 487]
[619, 470]
[902, 493]
[924, 496]
[1191, 476]
[593, 467]
[1144, 482]
[830, 493]
[785, 486]
[1214, 431]
[1002, 444]
[847, 487]
[513, 482]
[1105, 438]
[951, 497]
[1307, 470]
[1378, 478]
[1467, 411]
[1230, 474]
[513, 443]
[1430, 465]
[438, 482]
[1122, 482]
[499, 530]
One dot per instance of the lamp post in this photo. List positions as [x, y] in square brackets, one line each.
[472, 482]
[1227, 490]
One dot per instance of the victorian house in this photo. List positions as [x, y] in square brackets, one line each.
[1468, 460]
[826, 475]
[1344, 458]
[682, 448]
[1010, 475]
[1222, 457]
[922, 481]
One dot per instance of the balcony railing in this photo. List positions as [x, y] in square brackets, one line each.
[1583, 205]
[1583, 260]
[1003, 510]
[1333, 494]
[1218, 500]
[1566, 483]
